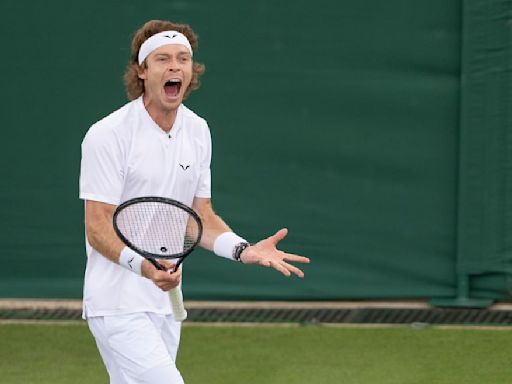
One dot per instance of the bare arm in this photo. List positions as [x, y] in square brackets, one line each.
[102, 237]
[99, 230]
[264, 252]
[213, 225]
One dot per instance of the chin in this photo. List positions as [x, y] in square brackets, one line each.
[172, 104]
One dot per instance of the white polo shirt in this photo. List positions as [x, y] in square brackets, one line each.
[127, 155]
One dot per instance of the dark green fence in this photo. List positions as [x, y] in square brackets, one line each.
[377, 132]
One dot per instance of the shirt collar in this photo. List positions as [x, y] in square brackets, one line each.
[176, 127]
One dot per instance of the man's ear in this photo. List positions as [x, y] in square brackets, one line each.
[142, 71]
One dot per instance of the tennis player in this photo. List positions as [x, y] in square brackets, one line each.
[152, 146]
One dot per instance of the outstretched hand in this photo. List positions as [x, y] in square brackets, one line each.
[265, 253]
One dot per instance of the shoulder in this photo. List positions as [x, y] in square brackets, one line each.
[192, 120]
[196, 127]
[109, 127]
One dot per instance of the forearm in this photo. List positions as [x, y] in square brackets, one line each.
[213, 226]
[217, 236]
[100, 232]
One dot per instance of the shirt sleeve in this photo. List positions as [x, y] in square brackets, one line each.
[204, 184]
[101, 167]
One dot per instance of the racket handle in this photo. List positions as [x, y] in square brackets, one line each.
[178, 309]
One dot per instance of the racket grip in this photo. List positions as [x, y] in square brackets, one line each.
[178, 309]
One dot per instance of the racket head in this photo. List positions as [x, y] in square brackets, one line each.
[158, 227]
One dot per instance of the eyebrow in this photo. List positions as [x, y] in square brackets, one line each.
[181, 53]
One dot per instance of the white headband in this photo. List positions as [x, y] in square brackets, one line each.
[160, 39]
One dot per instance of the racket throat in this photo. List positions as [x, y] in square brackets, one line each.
[160, 267]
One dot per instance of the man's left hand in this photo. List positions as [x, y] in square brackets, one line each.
[266, 254]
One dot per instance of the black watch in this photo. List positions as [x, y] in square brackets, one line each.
[239, 248]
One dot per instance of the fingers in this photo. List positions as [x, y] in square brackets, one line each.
[293, 269]
[167, 264]
[279, 235]
[166, 280]
[283, 267]
[279, 267]
[296, 258]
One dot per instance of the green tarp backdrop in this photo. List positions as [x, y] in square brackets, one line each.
[379, 133]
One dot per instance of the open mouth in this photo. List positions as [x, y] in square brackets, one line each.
[172, 87]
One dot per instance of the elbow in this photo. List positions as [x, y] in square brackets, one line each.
[98, 219]
[92, 234]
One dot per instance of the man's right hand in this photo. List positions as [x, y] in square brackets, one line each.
[165, 280]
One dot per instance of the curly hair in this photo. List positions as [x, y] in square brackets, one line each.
[135, 85]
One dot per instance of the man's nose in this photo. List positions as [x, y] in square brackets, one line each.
[173, 65]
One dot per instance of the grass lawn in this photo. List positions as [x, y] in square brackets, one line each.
[42, 353]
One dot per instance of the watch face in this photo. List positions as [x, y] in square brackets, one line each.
[239, 248]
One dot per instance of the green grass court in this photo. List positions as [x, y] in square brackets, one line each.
[43, 353]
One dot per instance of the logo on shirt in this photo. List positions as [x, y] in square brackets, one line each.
[184, 167]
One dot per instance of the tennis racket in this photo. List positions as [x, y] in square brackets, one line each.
[160, 228]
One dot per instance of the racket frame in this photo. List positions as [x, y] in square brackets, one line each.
[165, 200]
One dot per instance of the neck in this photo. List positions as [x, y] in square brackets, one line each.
[164, 117]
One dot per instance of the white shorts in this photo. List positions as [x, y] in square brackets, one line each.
[138, 347]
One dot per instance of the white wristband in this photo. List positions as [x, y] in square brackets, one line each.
[225, 243]
[131, 260]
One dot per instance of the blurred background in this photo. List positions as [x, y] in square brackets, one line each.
[378, 132]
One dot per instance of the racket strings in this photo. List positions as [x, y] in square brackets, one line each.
[162, 229]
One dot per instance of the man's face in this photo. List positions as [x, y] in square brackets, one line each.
[167, 75]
